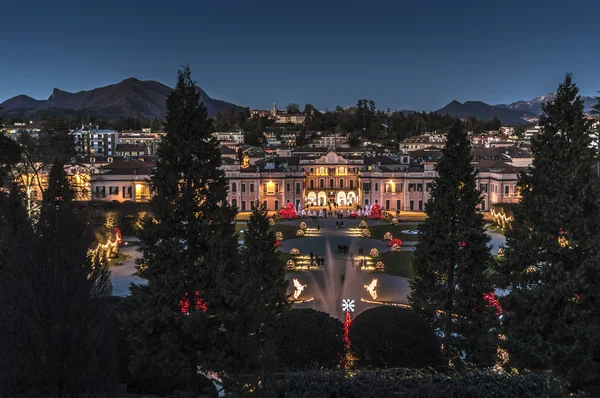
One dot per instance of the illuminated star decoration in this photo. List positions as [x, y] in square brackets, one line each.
[298, 288]
[348, 305]
[372, 289]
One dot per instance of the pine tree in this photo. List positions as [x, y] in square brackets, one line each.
[262, 297]
[552, 261]
[189, 248]
[451, 258]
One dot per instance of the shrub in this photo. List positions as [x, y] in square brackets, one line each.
[307, 339]
[389, 337]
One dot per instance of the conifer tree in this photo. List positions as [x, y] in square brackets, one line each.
[263, 288]
[451, 258]
[552, 261]
[189, 248]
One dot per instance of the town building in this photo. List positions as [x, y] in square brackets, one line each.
[96, 141]
[237, 137]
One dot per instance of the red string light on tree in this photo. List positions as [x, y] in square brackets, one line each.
[199, 305]
[395, 241]
[493, 302]
[119, 235]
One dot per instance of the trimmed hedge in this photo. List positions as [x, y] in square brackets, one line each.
[416, 384]
[307, 339]
[391, 337]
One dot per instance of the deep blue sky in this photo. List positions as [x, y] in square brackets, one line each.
[402, 54]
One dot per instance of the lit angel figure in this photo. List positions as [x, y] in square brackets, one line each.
[298, 288]
[372, 289]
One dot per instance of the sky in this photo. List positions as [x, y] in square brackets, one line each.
[402, 54]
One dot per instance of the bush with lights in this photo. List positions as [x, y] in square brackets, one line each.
[375, 212]
[374, 252]
[363, 224]
[366, 233]
[300, 232]
[279, 235]
[303, 225]
[379, 266]
[387, 236]
[290, 265]
[288, 212]
[295, 251]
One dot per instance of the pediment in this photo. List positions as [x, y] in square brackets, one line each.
[332, 157]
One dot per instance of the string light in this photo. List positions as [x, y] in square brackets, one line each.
[501, 218]
[199, 305]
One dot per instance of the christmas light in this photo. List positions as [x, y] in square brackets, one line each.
[493, 302]
[299, 288]
[290, 265]
[303, 225]
[295, 251]
[363, 224]
[279, 235]
[501, 218]
[374, 252]
[387, 236]
[366, 233]
[199, 305]
[300, 232]
[289, 211]
[372, 289]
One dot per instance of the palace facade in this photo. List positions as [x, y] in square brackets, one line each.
[319, 177]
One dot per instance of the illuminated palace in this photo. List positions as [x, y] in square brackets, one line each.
[346, 177]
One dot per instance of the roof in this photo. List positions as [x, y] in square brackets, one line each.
[127, 166]
[226, 150]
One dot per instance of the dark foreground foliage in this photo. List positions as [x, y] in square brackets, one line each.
[417, 384]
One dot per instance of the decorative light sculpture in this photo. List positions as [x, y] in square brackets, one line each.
[366, 233]
[290, 265]
[347, 305]
[374, 252]
[303, 225]
[379, 266]
[298, 288]
[300, 232]
[501, 252]
[279, 235]
[372, 289]
[295, 251]
[271, 221]
[387, 236]
[394, 221]
[363, 224]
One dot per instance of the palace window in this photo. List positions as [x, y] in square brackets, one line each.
[233, 187]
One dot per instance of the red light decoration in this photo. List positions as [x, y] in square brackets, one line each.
[119, 235]
[276, 243]
[375, 212]
[395, 241]
[462, 244]
[199, 304]
[289, 211]
[493, 302]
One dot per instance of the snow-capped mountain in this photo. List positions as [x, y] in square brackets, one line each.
[535, 105]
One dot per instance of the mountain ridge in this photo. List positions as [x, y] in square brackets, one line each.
[131, 96]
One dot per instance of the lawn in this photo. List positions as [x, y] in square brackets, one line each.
[378, 231]
[289, 231]
[240, 226]
[397, 263]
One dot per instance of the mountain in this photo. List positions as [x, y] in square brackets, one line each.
[535, 105]
[127, 98]
[483, 111]
[20, 102]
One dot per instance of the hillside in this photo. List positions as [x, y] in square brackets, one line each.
[129, 97]
[483, 111]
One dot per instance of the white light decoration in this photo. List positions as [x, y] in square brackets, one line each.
[298, 288]
[380, 266]
[303, 225]
[374, 252]
[388, 236]
[348, 305]
[271, 221]
[300, 232]
[295, 251]
[290, 265]
[394, 221]
[366, 233]
[279, 235]
[395, 248]
[363, 224]
[372, 289]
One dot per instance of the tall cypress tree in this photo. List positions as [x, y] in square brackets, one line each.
[451, 259]
[552, 260]
[189, 248]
